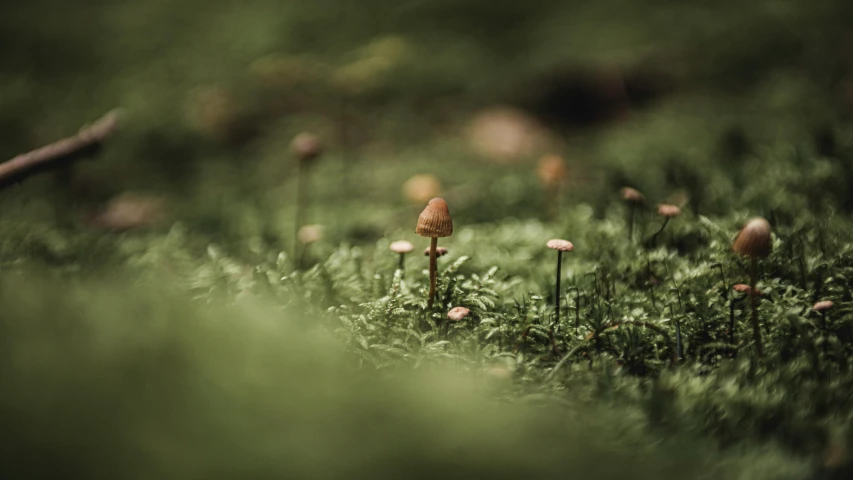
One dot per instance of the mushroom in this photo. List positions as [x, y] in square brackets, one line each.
[457, 314]
[821, 307]
[434, 222]
[307, 148]
[667, 212]
[634, 199]
[754, 241]
[560, 246]
[402, 247]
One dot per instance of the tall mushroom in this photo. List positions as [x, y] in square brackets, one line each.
[434, 222]
[306, 147]
[635, 200]
[754, 241]
[402, 247]
[560, 246]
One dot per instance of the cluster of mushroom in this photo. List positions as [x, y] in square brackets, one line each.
[753, 241]
[636, 201]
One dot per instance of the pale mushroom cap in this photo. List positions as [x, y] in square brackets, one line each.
[560, 245]
[754, 240]
[306, 146]
[668, 211]
[401, 246]
[435, 220]
[632, 195]
[823, 305]
[458, 313]
[439, 252]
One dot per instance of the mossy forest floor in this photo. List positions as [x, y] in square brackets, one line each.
[209, 343]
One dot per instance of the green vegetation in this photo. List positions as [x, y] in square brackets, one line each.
[199, 345]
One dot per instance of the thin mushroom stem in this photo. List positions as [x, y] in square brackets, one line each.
[753, 297]
[432, 269]
[557, 293]
[732, 322]
[654, 240]
[401, 262]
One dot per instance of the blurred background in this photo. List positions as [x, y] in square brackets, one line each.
[411, 99]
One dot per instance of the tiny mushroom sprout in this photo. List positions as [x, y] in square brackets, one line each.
[668, 212]
[439, 251]
[401, 247]
[434, 222]
[457, 314]
[635, 200]
[744, 288]
[560, 246]
[821, 307]
[306, 147]
[754, 241]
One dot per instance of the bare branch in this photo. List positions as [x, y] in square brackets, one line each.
[87, 141]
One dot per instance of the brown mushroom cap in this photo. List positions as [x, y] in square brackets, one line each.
[401, 246]
[744, 288]
[458, 313]
[754, 240]
[823, 305]
[632, 195]
[306, 146]
[560, 245]
[439, 252]
[668, 211]
[435, 220]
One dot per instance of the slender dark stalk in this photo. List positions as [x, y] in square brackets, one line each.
[557, 293]
[432, 270]
[401, 262]
[653, 241]
[732, 321]
[753, 297]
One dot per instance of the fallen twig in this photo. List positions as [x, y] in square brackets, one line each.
[86, 142]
